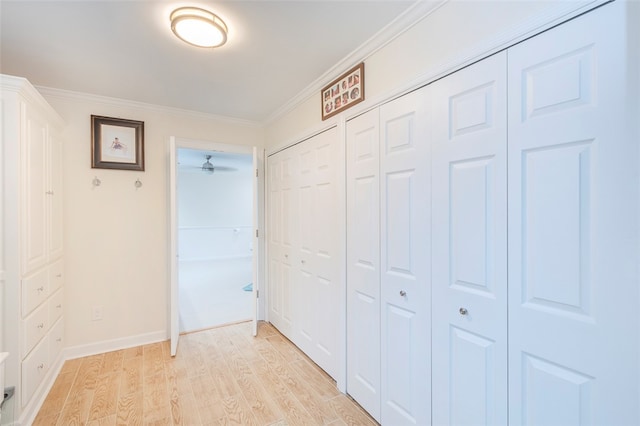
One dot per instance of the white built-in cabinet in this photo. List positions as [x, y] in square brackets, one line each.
[304, 246]
[493, 238]
[32, 268]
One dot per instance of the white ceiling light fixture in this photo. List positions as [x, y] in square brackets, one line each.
[198, 27]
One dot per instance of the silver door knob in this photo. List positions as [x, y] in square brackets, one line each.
[463, 311]
[403, 293]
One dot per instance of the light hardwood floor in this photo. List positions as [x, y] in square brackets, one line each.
[222, 376]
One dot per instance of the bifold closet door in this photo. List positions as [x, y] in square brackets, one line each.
[469, 244]
[281, 237]
[363, 262]
[405, 244]
[317, 272]
[573, 223]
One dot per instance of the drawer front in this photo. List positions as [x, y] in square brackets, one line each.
[56, 340]
[35, 327]
[56, 275]
[35, 290]
[34, 370]
[56, 306]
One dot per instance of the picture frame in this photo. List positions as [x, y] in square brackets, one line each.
[343, 92]
[117, 143]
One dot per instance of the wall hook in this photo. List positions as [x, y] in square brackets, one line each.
[137, 183]
[96, 181]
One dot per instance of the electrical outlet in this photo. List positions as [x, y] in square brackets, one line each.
[96, 313]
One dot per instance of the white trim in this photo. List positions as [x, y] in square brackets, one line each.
[307, 134]
[49, 93]
[104, 346]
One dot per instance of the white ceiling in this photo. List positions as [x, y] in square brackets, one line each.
[125, 49]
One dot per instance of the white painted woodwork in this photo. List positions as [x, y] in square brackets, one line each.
[174, 293]
[469, 238]
[32, 240]
[282, 227]
[573, 223]
[304, 244]
[363, 261]
[255, 246]
[405, 242]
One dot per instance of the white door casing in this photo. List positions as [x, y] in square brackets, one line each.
[363, 261]
[469, 244]
[573, 224]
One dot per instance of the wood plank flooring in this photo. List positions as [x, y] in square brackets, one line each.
[222, 376]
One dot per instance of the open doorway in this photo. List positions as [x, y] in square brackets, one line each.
[215, 231]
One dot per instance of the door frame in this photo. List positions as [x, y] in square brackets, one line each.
[176, 143]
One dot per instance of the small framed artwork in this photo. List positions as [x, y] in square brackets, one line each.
[117, 143]
[343, 92]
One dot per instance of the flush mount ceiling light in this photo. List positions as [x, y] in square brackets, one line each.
[198, 27]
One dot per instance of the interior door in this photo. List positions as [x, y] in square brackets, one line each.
[405, 268]
[255, 247]
[281, 236]
[174, 314]
[363, 261]
[469, 240]
[316, 262]
[573, 222]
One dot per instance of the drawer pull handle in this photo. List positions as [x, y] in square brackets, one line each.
[463, 311]
[41, 366]
[49, 193]
[403, 293]
[41, 288]
[41, 325]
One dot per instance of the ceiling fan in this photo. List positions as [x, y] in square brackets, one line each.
[209, 168]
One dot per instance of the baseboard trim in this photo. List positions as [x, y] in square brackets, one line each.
[80, 351]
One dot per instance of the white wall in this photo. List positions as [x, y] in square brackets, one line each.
[452, 35]
[116, 235]
[215, 214]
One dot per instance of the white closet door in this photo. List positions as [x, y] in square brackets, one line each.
[281, 235]
[405, 259]
[573, 224]
[317, 282]
[469, 241]
[363, 262]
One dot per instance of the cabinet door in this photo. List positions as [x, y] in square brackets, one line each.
[573, 223]
[469, 257]
[34, 192]
[405, 267]
[54, 196]
[363, 262]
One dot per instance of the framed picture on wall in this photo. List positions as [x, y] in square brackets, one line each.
[343, 92]
[117, 143]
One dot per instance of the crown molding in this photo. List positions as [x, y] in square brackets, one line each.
[49, 92]
[410, 17]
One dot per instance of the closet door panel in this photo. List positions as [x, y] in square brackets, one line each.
[469, 257]
[316, 262]
[405, 254]
[363, 262]
[573, 203]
